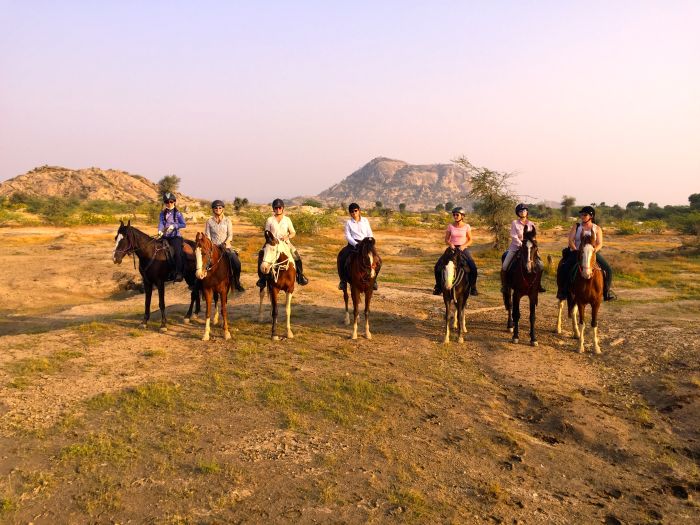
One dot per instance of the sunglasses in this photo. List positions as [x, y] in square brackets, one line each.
[218, 207]
[355, 211]
[582, 214]
[170, 202]
[278, 208]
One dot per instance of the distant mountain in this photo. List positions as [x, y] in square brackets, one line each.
[392, 182]
[85, 184]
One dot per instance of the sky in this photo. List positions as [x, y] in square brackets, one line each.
[595, 99]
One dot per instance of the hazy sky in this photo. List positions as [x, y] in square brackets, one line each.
[599, 100]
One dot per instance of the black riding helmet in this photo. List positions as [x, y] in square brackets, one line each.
[217, 203]
[520, 207]
[277, 203]
[353, 206]
[459, 210]
[587, 209]
[168, 196]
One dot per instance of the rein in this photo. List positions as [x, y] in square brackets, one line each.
[278, 266]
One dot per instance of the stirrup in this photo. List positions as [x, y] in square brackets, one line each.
[261, 282]
[302, 280]
[474, 291]
[610, 296]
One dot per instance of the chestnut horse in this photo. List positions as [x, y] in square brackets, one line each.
[214, 273]
[523, 279]
[154, 268]
[586, 288]
[363, 266]
[277, 267]
[456, 287]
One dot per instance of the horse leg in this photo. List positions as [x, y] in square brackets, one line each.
[463, 317]
[161, 305]
[368, 298]
[561, 310]
[516, 317]
[260, 310]
[208, 292]
[224, 296]
[448, 313]
[193, 298]
[215, 321]
[582, 326]
[460, 316]
[273, 300]
[288, 311]
[345, 298]
[509, 308]
[573, 313]
[148, 289]
[594, 324]
[355, 310]
[533, 317]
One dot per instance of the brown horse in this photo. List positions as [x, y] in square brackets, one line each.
[523, 279]
[278, 270]
[587, 288]
[456, 287]
[363, 266]
[154, 268]
[214, 273]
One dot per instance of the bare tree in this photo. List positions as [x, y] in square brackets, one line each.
[494, 199]
[239, 203]
[567, 202]
[169, 183]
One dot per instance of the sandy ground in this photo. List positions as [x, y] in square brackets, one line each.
[324, 429]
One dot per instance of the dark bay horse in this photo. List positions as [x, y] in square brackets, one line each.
[277, 267]
[363, 266]
[154, 268]
[523, 279]
[586, 288]
[456, 287]
[214, 272]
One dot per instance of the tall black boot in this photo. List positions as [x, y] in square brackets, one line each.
[300, 273]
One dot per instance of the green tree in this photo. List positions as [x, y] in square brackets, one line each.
[449, 205]
[378, 204]
[239, 203]
[567, 202]
[634, 205]
[494, 199]
[653, 206]
[402, 207]
[169, 183]
[440, 207]
[694, 200]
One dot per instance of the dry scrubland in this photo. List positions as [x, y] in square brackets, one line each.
[103, 422]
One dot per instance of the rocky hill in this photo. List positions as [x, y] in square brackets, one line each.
[420, 187]
[85, 184]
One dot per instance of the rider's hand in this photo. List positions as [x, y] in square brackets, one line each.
[452, 246]
[159, 234]
[170, 228]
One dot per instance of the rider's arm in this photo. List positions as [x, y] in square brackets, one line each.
[179, 221]
[572, 237]
[515, 234]
[599, 239]
[469, 238]
[292, 231]
[447, 237]
[229, 233]
[348, 234]
[161, 222]
[369, 227]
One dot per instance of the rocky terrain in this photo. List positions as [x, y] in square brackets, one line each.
[85, 184]
[392, 182]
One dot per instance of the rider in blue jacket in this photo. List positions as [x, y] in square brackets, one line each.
[170, 223]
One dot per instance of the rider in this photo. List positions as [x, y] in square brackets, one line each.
[587, 226]
[282, 229]
[458, 236]
[219, 231]
[356, 229]
[517, 228]
[170, 223]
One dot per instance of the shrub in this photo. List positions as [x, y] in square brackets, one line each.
[311, 223]
[627, 227]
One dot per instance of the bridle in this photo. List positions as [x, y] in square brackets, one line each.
[276, 266]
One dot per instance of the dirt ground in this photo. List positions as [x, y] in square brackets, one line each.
[104, 422]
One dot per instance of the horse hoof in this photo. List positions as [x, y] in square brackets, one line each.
[460, 340]
[581, 350]
[510, 330]
[290, 335]
[515, 340]
[186, 320]
[354, 338]
[227, 335]
[194, 317]
[143, 325]
[275, 338]
[369, 336]
[205, 338]
[597, 351]
[446, 342]
[346, 322]
[163, 329]
[534, 343]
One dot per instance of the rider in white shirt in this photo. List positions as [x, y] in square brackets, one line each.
[282, 229]
[356, 229]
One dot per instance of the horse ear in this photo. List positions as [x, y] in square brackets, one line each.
[121, 222]
[128, 223]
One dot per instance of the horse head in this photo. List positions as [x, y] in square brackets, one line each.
[123, 242]
[271, 252]
[368, 256]
[202, 246]
[528, 254]
[586, 255]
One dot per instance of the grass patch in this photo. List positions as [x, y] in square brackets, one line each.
[99, 447]
[158, 395]
[209, 466]
[25, 369]
[6, 505]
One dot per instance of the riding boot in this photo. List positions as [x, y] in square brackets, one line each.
[301, 279]
[262, 282]
[608, 294]
[237, 283]
[542, 288]
[473, 290]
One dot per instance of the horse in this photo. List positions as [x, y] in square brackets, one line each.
[586, 288]
[456, 287]
[277, 267]
[215, 279]
[523, 279]
[363, 266]
[155, 269]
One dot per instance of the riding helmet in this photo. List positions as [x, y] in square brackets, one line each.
[520, 207]
[168, 196]
[587, 209]
[459, 210]
[217, 203]
[277, 203]
[353, 206]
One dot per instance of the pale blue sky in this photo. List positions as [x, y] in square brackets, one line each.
[600, 100]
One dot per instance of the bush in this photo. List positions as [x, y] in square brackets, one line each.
[688, 223]
[311, 223]
[627, 227]
[255, 217]
[313, 203]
